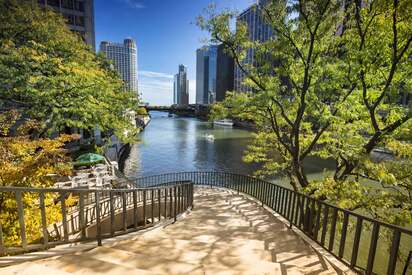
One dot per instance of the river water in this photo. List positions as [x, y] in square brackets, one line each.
[180, 144]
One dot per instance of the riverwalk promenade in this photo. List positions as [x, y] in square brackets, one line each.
[225, 233]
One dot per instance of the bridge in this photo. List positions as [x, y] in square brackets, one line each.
[196, 110]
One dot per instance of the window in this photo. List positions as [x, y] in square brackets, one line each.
[53, 3]
[69, 18]
[79, 6]
[80, 21]
[67, 4]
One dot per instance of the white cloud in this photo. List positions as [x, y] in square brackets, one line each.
[136, 4]
[156, 87]
[154, 74]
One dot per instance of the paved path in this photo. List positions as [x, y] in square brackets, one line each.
[224, 234]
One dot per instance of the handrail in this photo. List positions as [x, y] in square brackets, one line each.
[342, 232]
[150, 205]
[351, 237]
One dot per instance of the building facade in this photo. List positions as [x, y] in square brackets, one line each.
[258, 30]
[214, 74]
[181, 87]
[124, 58]
[79, 15]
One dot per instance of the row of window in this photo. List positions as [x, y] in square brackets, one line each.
[66, 4]
[75, 20]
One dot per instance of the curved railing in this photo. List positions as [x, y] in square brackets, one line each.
[95, 219]
[358, 240]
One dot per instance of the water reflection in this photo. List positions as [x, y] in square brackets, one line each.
[182, 144]
[188, 144]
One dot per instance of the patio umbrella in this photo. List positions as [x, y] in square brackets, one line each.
[88, 159]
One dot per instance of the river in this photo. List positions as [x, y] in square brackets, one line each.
[176, 144]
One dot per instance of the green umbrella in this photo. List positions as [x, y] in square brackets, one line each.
[88, 159]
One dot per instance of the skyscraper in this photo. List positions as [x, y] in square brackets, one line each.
[214, 74]
[124, 58]
[258, 30]
[79, 16]
[181, 87]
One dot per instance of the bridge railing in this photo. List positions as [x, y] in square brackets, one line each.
[358, 240]
[137, 208]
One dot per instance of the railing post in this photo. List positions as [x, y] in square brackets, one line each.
[159, 204]
[343, 234]
[372, 247]
[175, 203]
[124, 212]
[152, 205]
[165, 202]
[135, 220]
[43, 220]
[64, 214]
[333, 228]
[20, 212]
[170, 201]
[356, 242]
[82, 223]
[408, 262]
[324, 224]
[98, 224]
[112, 214]
[144, 208]
[394, 251]
[2, 248]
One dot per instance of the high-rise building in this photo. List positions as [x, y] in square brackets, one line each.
[258, 30]
[214, 74]
[181, 87]
[79, 15]
[124, 58]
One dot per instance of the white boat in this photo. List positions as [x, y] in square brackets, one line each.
[223, 122]
[210, 138]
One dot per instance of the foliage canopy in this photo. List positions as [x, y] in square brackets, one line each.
[47, 71]
[328, 85]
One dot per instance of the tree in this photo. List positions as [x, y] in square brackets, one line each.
[26, 162]
[327, 84]
[47, 71]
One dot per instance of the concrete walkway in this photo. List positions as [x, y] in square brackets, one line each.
[224, 234]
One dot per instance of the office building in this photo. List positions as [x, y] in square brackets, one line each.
[181, 87]
[258, 30]
[124, 58]
[214, 74]
[79, 15]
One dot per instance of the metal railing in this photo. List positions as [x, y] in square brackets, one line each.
[355, 239]
[147, 206]
[351, 237]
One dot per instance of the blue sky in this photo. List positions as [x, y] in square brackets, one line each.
[166, 36]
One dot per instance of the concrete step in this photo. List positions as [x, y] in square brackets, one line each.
[31, 268]
[152, 264]
[82, 263]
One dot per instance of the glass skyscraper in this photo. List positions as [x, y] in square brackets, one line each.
[214, 74]
[258, 30]
[181, 87]
[124, 58]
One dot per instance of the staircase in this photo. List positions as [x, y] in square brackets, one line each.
[224, 234]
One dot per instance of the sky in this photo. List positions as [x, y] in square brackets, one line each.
[166, 36]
